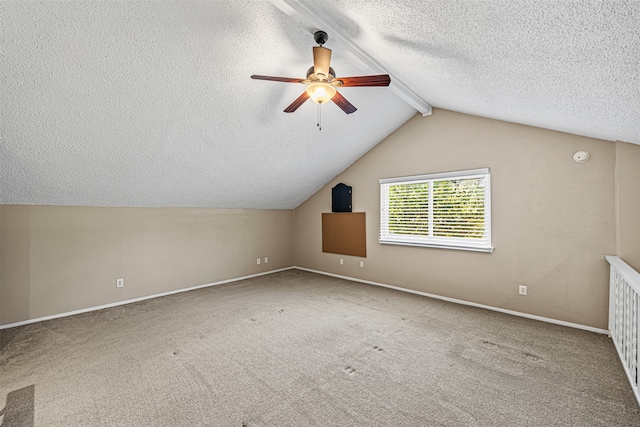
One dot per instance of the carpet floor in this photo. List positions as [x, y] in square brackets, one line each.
[300, 349]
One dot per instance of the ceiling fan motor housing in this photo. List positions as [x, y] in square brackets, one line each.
[332, 74]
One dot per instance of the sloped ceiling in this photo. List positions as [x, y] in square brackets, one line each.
[151, 104]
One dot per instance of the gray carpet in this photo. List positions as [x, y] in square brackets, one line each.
[300, 349]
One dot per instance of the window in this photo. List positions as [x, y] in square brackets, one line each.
[444, 210]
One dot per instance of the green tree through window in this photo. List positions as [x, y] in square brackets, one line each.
[458, 208]
[409, 209]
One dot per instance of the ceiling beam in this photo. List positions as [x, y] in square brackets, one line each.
[312, 21]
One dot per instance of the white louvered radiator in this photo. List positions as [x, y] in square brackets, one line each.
[624, 317]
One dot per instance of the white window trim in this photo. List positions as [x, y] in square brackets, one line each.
[435, 242]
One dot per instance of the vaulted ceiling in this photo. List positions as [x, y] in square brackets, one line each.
[151, 104]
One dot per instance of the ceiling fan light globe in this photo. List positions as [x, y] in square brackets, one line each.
[320, 92]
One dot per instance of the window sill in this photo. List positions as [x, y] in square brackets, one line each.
[436, 246]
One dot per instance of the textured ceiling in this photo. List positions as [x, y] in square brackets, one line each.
[151, 104]
[572, 66]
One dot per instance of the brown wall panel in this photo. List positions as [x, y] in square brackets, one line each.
[344, 233]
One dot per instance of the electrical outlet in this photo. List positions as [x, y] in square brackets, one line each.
[266, 260]
[119, 283]
[258, 261]
[522, 290]
[341, 261]
[361, 264]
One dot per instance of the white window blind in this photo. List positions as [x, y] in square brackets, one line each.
[448, 210]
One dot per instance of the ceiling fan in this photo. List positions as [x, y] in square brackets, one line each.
[321, 81]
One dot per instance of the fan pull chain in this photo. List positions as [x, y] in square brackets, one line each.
[319, 118]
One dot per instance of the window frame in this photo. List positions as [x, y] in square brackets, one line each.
[466, 244]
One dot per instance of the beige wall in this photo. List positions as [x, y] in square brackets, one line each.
[553, 219]
[628, 202]
[58, 259]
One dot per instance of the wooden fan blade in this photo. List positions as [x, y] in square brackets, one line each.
[377, 80]
[341, 102]
[277, 79]
[297, 103]
[321, 61]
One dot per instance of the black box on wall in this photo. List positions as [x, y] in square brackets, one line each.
[341, 198]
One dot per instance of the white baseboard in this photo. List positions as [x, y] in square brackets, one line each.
[458, 301]
[453, 300]
[129, 301]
